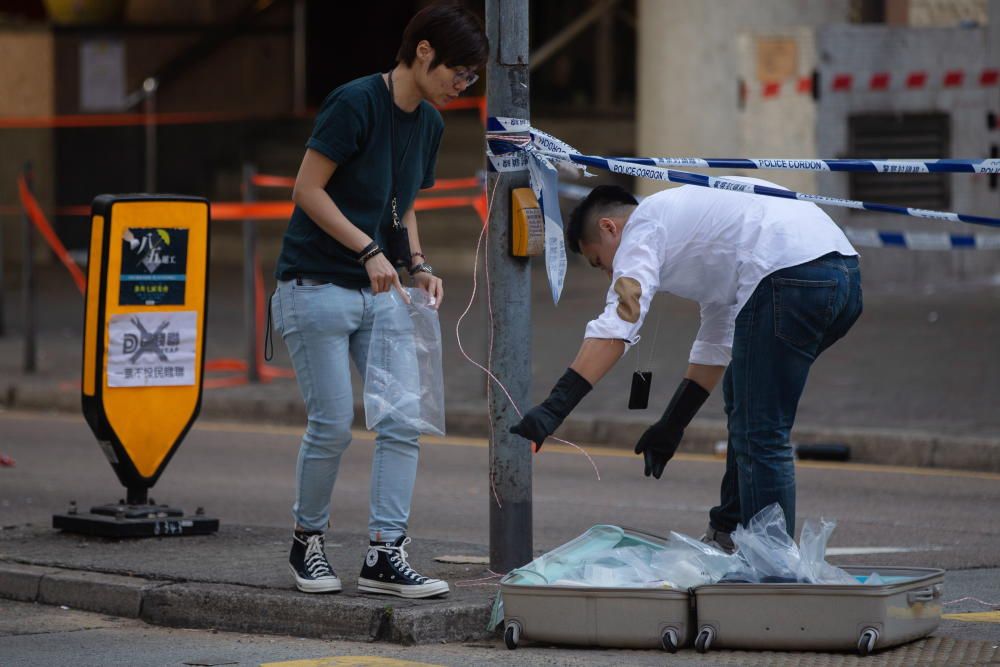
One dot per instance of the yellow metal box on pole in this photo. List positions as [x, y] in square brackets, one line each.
[527, 238]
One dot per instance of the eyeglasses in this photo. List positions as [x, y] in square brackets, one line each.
[466, 76]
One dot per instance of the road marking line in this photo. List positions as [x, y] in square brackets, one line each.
[975, 617]
[860, 551]
[350, 661]
[593, 450]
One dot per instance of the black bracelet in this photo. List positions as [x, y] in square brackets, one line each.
[371, 253]
[364, 251]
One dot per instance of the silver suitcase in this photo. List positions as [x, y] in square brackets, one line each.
[612, 617]
[639, 618]
[820, 617]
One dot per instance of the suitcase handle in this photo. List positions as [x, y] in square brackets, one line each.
[924, 595]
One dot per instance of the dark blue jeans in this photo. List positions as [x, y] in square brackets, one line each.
[792, 316]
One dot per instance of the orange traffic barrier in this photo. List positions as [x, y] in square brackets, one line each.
[37, 218]
[177, 117]
[456, 184]
[269, 181]
[122, 119]
[279, 210]
[261, 210]
[433, 203]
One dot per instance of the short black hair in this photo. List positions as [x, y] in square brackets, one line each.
[455, 33]
[602, 201]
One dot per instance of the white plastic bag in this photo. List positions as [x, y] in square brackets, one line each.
[771, 556]
[404, 382]
[765, 545]
[812, 547]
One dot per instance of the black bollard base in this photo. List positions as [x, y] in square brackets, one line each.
[138, 520]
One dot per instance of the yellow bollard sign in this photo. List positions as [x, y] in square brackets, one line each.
[144, 330]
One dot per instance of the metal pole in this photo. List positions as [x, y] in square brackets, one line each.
[250, 276]
[299, 57]
[604, 72]
[149, 87]
[28, 284]
[3, 285]
[510, 290]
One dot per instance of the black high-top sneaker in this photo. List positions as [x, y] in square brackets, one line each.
[386, 571]
[308, 563]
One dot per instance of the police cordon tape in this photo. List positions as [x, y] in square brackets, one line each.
[512, 135]
[882, 166]
[513, 145]
[871, 238]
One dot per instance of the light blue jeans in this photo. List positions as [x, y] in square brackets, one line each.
[323, 327]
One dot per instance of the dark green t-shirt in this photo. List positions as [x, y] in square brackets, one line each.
[353, 129]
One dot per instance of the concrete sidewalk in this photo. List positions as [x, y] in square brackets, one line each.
[914, 383]
[236, 580]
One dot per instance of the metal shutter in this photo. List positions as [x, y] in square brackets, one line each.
[901, 135]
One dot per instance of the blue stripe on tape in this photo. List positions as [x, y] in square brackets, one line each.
[959, 241]
[978, 220]
[886, 208]
[502, 146]
[862, 166]
[944, 166]
[893, 238]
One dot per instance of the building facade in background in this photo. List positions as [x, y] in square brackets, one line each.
[786, 79]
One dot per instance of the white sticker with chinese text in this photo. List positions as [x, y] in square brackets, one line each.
[152, 349]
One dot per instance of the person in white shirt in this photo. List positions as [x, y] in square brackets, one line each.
[777, 282]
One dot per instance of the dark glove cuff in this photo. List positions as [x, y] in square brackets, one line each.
[687, 400]
[567, 393]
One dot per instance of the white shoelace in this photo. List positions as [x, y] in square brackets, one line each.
[398, 556]
[316, 563]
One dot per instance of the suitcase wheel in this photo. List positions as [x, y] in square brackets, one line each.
[669, 641]
[866, 642]
[512, 634]
[704, 639]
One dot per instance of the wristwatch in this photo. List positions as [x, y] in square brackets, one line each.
[422, 267]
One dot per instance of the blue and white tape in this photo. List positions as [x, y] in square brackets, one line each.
[513, 145]
[882, 166]
[544, 180]
[687, 178]
[878, 238]
[651, 168]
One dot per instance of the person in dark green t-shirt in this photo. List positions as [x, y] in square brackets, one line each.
[374, 145]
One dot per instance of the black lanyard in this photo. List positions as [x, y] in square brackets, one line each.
[392, 158]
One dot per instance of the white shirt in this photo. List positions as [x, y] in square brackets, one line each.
[713, 247]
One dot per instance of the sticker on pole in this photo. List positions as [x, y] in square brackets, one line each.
[152, 349]
[154, 266]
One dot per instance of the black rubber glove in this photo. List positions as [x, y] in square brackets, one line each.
[660, 441]
[542, 420]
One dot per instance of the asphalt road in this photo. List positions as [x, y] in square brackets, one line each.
[243, 473]
[33, 635]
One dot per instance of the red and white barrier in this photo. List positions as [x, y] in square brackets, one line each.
[884, 81]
